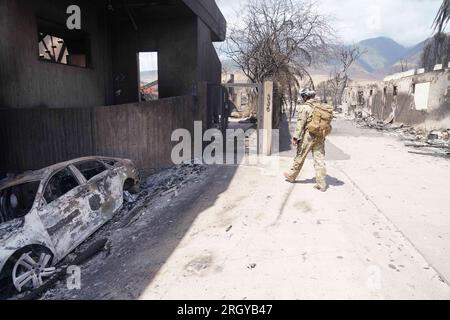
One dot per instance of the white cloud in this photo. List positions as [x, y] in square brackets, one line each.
[406, 21]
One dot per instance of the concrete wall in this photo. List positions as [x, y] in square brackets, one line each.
[209, 65]
[186, 56]
[28, 82]
[52, 112]
[35, 138]
[380, 101]
[184, 44]
[174, 40]
[211, 16]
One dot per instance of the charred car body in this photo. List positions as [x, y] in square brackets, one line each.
[46, 214]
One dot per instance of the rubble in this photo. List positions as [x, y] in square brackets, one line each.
[237, 115]
[247, 120]
[439, 153]
[130, 198]
[436, 141]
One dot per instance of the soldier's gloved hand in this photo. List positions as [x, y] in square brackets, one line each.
[295, 142]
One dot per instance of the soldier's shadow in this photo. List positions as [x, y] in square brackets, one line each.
[331, 181]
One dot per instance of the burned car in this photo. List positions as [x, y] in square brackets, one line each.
[46, 214]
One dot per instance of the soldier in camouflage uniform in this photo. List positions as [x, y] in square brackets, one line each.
[306, 143]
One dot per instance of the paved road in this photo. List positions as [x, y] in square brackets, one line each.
[382, 231]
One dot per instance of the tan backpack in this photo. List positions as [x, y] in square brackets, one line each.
[322, 116]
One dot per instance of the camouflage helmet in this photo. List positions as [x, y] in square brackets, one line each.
[307, 93]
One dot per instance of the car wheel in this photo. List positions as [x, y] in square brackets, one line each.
[31, 269]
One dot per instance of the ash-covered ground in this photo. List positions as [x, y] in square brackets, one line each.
[140, 213]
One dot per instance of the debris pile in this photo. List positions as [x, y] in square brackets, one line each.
[174, 177]
[244, 117]
[239, 115]
[434, 143]
[371, 122]
[166, 183]
[251, 119]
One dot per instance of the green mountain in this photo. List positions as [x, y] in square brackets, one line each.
[381, 53]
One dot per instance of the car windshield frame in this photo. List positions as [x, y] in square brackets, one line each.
[80, 180]
[99, 161]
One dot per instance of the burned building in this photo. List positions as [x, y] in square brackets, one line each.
[411, 97]
[66, 93]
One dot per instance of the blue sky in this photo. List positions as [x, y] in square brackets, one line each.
[406, 21]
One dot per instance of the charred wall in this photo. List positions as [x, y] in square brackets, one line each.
[175, 40]
[52, 112]
[399, 99]
[184, 44]
[186, 56]
[28, 82]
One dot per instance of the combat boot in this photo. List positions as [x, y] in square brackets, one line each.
[323, 189]
[289, 178]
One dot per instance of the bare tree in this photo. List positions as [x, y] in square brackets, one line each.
[278, 40]
[404, 65]
[339, 78]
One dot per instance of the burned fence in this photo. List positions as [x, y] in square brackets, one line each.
[34, 138]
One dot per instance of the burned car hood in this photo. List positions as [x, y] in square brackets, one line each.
[8, 229]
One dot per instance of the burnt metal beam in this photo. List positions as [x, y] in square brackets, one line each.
[130, 15]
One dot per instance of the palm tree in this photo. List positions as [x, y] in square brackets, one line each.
[442, 17]
[437, 49]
